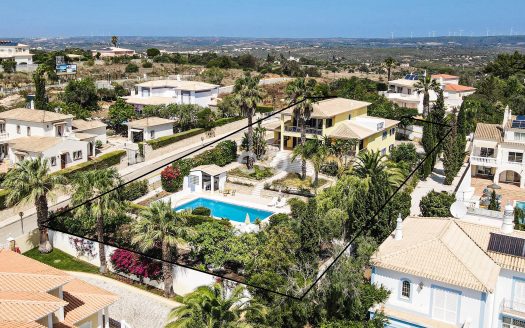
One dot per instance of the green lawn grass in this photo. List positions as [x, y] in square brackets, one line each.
[61, 260]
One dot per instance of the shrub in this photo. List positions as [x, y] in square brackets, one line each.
[264, 109]
[134, 190]
[330, 168]
[101, 162]
[168, 178]
[201, 210]
[147, 64]
[167, 140]
[436, 204]
[184, 166]
[224, 153]
[132, 68]
[226, 120]
[127, 262]
[3, 196]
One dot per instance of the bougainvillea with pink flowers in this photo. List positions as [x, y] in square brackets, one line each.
[127, 262]
[168, 178]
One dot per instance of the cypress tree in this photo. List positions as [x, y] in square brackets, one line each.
[437, 115]
[451, 152]
[428, 142]
[40, 88]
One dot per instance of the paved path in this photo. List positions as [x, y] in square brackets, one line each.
[137, 307]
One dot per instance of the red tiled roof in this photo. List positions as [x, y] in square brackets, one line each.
[458, 88]
[444, 76]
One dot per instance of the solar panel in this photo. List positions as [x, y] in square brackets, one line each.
[506, 244]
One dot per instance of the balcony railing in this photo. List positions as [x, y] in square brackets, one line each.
[510, 305]
[483, 160]
[307, 130]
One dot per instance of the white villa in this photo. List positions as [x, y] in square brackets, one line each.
[30, 133]
[207, 178]
[112, 52]
[149, 128]
[165, 92]
[403, 91]
[17, 51]
[445, 272]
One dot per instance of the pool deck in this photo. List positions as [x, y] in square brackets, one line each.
[260, 203]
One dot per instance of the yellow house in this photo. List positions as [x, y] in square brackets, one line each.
[339, 118]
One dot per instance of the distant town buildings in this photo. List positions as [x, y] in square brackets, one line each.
[445, 272]
[338, 118]
[404, 92]
[34, 294]
[165, 92]
[30, 133]
[16, 51]
[112, 52]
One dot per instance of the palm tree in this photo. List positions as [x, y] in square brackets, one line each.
[30, 180]
[160, 225]
[215, 307]
[88, 185]
[114, 40]
[318, 158]
[425, 85]
[389, 64]
[341, 149]
[305, 152]
[247, 94]
[369, 164]
[299, 90]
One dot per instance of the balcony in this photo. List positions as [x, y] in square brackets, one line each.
[4, 137]
[513, 307]
[308, 130]
[484, 161]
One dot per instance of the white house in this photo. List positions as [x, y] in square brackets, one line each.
[95, 128]
[29, 133]
[165, 92]
[149, 128]
[112, 52]
[404, 92]
[16, 51]
[206, 177]
[497, 151]
[444, 272]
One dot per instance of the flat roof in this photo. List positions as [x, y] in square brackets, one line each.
[183, 85]
[153, 100]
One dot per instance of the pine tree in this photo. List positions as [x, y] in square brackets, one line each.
[494, 205]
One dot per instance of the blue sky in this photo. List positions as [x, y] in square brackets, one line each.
[261, 18]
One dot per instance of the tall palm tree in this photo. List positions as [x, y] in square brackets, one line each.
[30, 180]
[369, 164]
[305, 151]
[215, 307]
[88, 185]
[160, 225]
[247, 94]
[425, 85]
[389, 64]
[299, 90]
[341, 149]
[318, 157]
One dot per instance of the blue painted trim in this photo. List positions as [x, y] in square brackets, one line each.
[483, 305]
[458, 306]
[400, 290]
[407, 323]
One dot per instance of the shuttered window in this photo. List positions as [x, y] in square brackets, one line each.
[445, 305]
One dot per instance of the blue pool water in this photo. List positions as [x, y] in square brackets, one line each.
[226, 210]
[520, 205]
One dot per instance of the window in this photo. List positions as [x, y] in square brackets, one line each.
[86, 325]
[445, 304]
[328, 122]
[385, 134]
[405, 289]
[18, 129]
[486, 152]
[28, 130]
[152, 134]
[77, 155]
[515, 157]
[508, 322]
[2, 128]
[519, 136]
[53, 161]
[392, 131]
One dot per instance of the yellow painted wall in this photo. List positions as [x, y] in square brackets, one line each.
[377, 143]
[355, 113]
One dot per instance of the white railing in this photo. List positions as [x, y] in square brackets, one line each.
[512, 305]
[484, 212]
[483, 160]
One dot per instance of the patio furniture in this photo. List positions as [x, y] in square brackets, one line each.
[273, 202]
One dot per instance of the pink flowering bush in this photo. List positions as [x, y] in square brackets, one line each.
[127, 262]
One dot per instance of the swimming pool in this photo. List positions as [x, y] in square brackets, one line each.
[220, 209]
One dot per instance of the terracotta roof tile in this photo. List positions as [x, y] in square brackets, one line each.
[491, 132]
[444, 76]
[34, 115]
[331, 107]
[149, 121]
[458, 88]
[84, 300]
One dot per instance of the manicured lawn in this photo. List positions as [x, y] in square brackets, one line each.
[62, 261]
[258, 172]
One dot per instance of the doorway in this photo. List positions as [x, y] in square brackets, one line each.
[63, 161]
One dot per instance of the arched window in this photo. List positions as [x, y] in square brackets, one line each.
[405, 289]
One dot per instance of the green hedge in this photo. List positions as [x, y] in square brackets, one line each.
[164, 141]
[101, 162]
[3, 196]
[135, 189]
[226, 120]
[264, 109]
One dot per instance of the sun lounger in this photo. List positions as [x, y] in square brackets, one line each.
[273, 202]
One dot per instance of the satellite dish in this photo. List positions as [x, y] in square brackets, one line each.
[458, 209]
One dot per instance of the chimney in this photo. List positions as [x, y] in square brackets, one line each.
[398, 234]
[507, 115]
[178, 77]
[508, 219]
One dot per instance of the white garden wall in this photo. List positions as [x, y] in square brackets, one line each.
[184, 280]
